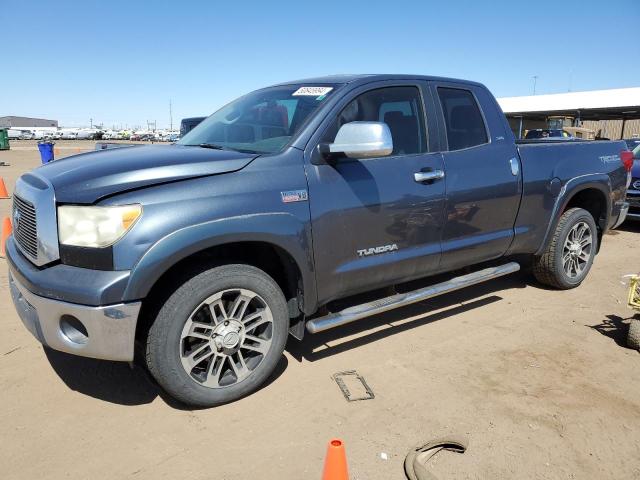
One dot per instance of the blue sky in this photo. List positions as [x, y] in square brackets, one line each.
[119, 62]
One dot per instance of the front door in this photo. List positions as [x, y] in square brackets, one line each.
[374, 224]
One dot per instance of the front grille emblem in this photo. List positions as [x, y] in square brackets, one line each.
[636, 184]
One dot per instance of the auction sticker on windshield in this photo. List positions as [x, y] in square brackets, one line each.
[312, 91]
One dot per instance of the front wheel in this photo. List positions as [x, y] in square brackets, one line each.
[219, 336]
[569, 256]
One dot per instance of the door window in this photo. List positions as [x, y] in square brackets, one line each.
[463, 120]
[399, 107]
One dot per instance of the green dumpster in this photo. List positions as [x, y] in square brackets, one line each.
[4, 139]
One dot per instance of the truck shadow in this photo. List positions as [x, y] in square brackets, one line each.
[318, 346]
[116, 382]
[628, 226]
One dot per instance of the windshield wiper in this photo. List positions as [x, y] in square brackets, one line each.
[212, 146]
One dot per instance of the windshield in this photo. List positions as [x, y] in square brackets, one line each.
[636, 152]
[263, 121]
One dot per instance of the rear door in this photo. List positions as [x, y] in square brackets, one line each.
[373, 223]
[483, 180]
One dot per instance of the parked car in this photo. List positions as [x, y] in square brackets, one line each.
[632, 143]
[14, 134]
[633, 194]
[85, 134]
[548, 133]
[69, 135]
[188, 124]
[209, 253]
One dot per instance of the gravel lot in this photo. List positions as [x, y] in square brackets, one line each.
[539, 381]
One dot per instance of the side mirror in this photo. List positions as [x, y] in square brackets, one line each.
[361, 140]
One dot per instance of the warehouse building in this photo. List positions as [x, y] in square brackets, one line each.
[27, 122]
[613, 113]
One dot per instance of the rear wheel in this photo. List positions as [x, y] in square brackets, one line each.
[569, 256]
[219, 336]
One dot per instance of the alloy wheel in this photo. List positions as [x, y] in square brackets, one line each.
[226, 337]
[577, 249]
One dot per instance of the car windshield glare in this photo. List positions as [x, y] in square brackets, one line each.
[263, 121]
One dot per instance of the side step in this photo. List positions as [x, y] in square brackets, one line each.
[357, 312]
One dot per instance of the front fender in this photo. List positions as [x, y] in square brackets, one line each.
[280, 229]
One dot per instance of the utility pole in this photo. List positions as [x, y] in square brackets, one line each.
[535, 81]
[170, 117]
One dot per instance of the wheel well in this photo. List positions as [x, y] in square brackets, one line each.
[593, 201]
[273, 260]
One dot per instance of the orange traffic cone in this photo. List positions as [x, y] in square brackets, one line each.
[3, 189]
[335, 464]
[6, 231]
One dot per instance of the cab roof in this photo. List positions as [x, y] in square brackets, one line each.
[367, 78]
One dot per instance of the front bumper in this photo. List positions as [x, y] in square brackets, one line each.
[104, 332]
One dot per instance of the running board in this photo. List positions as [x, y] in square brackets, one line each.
[358, 312]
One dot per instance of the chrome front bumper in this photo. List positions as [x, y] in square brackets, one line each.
[106, 332]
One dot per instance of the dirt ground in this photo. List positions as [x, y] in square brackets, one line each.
[538, 380]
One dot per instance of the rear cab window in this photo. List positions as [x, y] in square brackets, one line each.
[464, 124]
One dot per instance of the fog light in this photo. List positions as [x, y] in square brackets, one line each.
[73, 330]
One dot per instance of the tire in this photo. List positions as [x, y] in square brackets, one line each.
[219, 336]
[633, 337]
[552, 267]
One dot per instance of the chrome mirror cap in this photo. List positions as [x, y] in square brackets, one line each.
[363, 140]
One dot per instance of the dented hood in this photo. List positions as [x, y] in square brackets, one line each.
[88, 177]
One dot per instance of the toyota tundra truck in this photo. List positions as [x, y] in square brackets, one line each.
[278, 211]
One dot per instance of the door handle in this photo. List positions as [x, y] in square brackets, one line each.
[428, 176]
[515, 166]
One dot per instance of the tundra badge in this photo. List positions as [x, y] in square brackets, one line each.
[365, 252]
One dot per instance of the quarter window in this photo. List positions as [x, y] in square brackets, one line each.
[463, 120]
[399, 107]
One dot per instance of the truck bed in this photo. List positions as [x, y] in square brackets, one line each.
[551, 170]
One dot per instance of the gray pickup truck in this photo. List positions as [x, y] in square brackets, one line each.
[204, 256]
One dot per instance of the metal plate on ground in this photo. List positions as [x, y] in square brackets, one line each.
[353, 386]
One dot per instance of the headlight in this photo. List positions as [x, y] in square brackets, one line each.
[95, 226]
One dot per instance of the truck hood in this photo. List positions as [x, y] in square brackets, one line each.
[88, 177]
[635, 171]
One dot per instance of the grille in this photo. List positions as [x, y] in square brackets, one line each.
[24, 226]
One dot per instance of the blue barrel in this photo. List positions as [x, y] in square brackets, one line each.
[46, 151]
